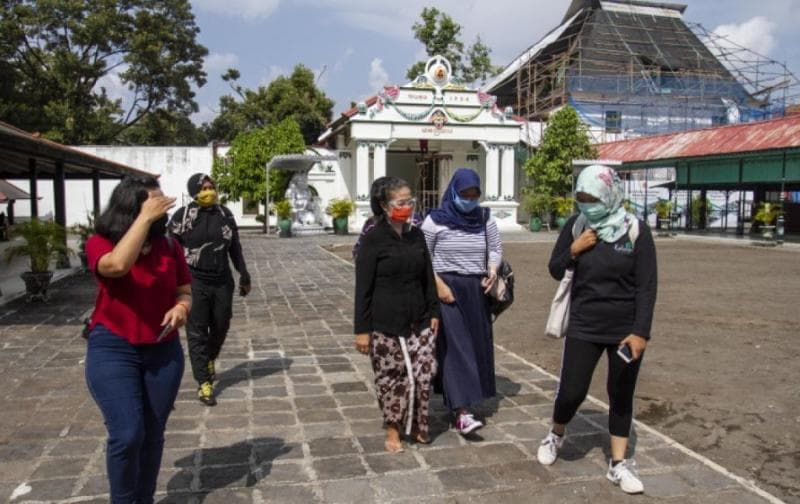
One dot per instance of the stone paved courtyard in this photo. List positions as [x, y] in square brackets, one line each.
[297, 419]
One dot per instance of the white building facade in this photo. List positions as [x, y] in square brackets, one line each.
[423, 132]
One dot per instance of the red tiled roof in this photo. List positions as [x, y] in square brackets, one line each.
[737, 138]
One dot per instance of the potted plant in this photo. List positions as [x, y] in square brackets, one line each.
[283, 210]
[766, 215]
[340, 209]
[538, 206]
[84, 231]
[564, 207]
[663, 209]
[44, 242]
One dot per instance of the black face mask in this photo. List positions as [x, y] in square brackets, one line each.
[158, 229]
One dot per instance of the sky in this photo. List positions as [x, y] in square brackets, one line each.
[357, 46]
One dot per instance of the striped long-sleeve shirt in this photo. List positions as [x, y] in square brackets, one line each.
[456, 251]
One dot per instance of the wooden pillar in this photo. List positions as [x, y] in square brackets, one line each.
[96, 194]
[59, 200]
[10, 212]
[33, 189]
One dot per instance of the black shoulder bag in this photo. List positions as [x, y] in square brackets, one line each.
[502, 294]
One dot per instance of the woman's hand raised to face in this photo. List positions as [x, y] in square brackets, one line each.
[155, 207]
[584, 242]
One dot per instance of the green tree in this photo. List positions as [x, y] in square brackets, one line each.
[440, 34]
[163, 128]
[296, 96]
[565, 139]
[55, 54]
[242, 173]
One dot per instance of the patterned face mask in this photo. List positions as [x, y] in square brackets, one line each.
[206, 197]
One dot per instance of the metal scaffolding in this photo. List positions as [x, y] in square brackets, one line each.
[637, 74]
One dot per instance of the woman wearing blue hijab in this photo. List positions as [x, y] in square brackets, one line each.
[465, 248]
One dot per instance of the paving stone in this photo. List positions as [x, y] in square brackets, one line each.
[315, 402]
[665, 485]
[347, 492]
[319, 415]
[60, 467]
[339, 467]
[280, 418]
[466, 478]
[388, 462]
[50, 489]
[295, 494]
[414, 485]
[345, 387]
[266, 453]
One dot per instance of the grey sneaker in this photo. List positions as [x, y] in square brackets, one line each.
[624, 475]
[548, 449]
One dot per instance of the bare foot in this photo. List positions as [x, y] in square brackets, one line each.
[393, 443]
[422, 438]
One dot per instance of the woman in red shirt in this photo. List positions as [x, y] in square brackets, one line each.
[134, 359]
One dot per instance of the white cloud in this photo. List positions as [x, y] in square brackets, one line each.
[378, 76]
[216, 64]
[339, 65]
[508, 35]
[756, 34]
[247, 9]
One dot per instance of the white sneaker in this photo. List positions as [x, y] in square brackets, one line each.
[624, 475]
[548, 450]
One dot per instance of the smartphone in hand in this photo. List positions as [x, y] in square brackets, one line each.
[625, 354]
[164, 332]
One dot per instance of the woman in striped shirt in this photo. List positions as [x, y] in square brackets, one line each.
[465, 247]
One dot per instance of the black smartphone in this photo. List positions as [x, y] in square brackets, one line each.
[625, 354]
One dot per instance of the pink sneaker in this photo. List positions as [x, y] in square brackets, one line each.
[466, 423]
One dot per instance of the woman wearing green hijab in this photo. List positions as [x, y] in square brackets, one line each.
[613, 294]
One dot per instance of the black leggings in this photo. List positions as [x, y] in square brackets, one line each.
[577, 367]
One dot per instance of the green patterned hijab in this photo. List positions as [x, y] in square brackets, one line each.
[608, 218]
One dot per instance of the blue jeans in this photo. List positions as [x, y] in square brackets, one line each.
[135, 388]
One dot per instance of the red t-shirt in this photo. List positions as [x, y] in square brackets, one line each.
[133, 306]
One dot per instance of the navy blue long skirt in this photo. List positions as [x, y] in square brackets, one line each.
[465, 346]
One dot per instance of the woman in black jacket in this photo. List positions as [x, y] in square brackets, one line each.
[613, 295]
[397, 314]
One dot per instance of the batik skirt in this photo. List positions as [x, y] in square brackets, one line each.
[404, 369]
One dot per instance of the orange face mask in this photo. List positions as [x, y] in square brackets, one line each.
[400, 214]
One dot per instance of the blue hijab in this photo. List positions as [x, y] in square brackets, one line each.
[448, 215]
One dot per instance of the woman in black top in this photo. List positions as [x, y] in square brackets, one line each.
[612, 299]
[208, 232]
[397, 314]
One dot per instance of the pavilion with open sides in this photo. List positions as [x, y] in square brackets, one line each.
[24, 155]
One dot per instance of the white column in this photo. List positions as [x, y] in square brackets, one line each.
[492, 171]
[379, 161]
[507, 170]
[362, 170]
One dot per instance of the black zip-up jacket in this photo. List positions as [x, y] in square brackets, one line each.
[395, 288]
[613, 288]
[209, 236]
